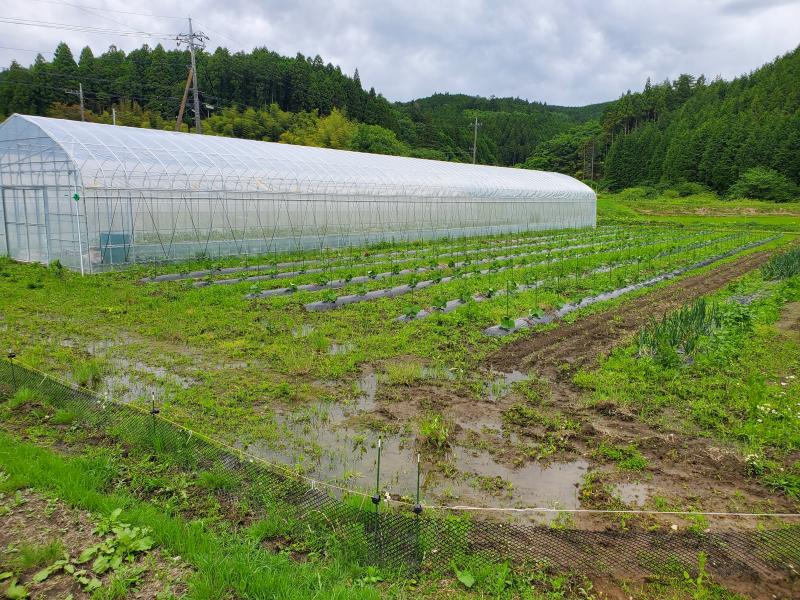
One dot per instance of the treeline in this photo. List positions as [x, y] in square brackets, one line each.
[148, 83]
[738, 137]
[709, 133]
[154, 79]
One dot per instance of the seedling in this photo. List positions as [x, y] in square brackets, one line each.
[507, 323]
[411, 311]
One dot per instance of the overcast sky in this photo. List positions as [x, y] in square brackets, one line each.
[568, 52]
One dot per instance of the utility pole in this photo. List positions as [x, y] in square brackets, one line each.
[194, 39]
[183, 100]
[475, 140]
[79, 94]
[113, 115]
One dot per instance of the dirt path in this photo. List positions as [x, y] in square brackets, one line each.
[583, 342]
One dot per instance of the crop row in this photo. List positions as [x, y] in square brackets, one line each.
[370, 266]
[446, 306]
[524, 271]
[339, 258]
[496, 262]
[538, 317]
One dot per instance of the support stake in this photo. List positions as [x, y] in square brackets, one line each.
[11, 356]
[376, 499]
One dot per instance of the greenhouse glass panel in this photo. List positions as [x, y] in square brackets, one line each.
[100, 196]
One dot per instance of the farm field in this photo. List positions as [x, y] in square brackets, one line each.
[632, 206]
[526, 370]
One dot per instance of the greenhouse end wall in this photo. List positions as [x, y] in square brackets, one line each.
[97, 197]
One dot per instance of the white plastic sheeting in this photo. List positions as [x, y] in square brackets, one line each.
[147, 194]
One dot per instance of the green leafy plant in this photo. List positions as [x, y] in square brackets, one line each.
[329, 296]
[466, 578]
[411, 311]
[434, 431]
[507, 323]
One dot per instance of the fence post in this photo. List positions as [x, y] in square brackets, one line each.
[11, 356]
[153, 412]
[376, 500]
[417, 510]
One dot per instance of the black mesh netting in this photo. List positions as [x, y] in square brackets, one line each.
[398, 538]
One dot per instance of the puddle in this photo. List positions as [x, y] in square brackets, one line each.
[552, 486]
[632, 494]
[303, 330]
[336, 348]
[124, 388]
[327, 443]
[502, 385]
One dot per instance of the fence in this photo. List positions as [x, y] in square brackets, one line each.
[400, 537]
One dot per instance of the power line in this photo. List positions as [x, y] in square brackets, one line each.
[26, 50]
[97, 14]
[84, 28]
[103, 8]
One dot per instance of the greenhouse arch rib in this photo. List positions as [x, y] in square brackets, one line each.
[152, 195]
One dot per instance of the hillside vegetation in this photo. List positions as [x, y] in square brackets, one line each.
[738, 138]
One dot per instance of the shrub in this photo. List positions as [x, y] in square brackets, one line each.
[689, 188]
[764, 184]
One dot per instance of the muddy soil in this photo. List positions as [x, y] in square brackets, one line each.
[583, 342]
[32, 519]
[690, 471]
[697, 471]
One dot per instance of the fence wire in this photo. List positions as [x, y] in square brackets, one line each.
[397, 537]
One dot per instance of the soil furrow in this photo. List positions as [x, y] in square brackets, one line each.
[590, 337]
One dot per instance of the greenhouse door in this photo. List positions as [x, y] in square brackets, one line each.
[26, 225]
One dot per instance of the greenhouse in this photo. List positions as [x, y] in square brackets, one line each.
[97, 196]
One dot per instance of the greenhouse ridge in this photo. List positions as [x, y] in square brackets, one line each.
[98, 196]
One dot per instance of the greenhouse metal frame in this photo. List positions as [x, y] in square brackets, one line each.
[96, 197]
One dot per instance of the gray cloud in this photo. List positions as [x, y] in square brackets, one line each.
[562, 52]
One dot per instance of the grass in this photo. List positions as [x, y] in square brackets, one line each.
[88, 374]
[230, 562]
[741, 388]
[240, 566]
[639, 205]
[21, 397]
[239, 361]
[33, 556]
[627, 457]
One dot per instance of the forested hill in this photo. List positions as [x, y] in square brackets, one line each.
[262, 95]
[509, 128]
[740, 136]
[709, 133]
